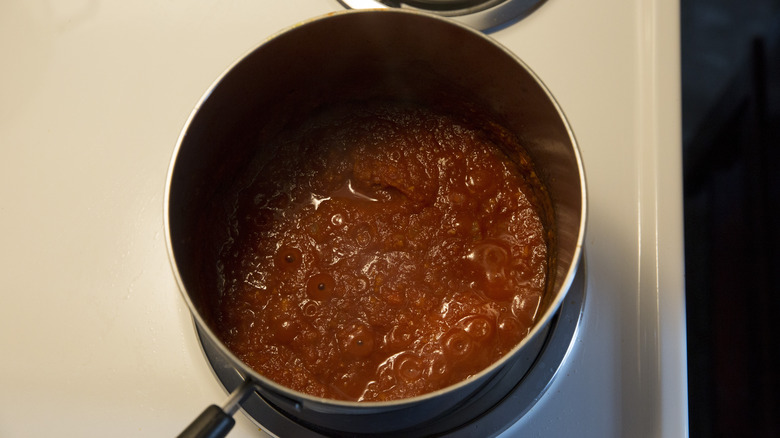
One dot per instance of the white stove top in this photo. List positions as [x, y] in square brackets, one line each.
[95, 338]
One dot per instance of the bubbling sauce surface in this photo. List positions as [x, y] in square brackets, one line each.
[390, 251]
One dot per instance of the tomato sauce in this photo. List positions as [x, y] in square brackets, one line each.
[389, 251]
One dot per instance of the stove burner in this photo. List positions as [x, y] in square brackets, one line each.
[451, 5]
[480, 14]
[500, 403]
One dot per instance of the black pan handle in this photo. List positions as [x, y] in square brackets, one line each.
[213, 422]
[216, 422]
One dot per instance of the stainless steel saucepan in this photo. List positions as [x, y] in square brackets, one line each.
[355, 55]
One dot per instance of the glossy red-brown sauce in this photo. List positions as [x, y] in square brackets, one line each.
[390, 251]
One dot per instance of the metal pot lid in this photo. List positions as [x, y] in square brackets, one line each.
[485, 15]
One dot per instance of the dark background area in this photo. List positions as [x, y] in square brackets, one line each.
[731, 162]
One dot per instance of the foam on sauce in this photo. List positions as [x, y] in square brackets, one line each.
[390, 251]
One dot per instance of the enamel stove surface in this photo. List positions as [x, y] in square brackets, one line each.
[96, 338]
